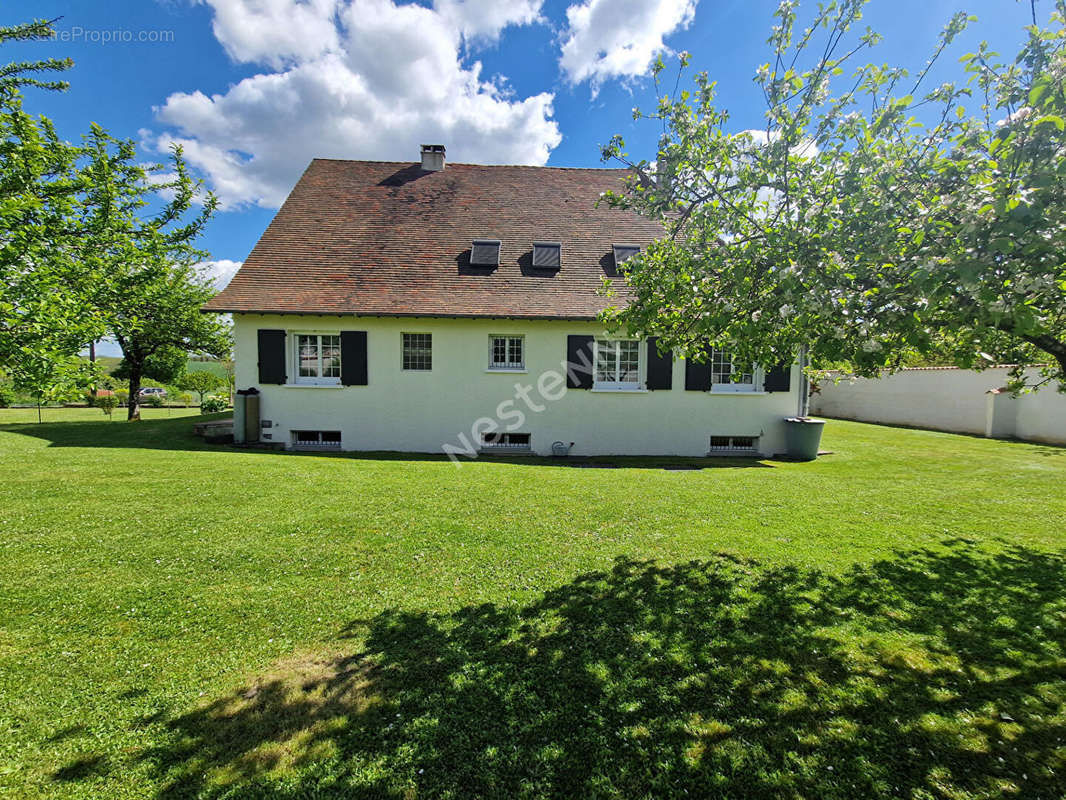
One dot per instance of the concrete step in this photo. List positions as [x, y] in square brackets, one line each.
[216, 427]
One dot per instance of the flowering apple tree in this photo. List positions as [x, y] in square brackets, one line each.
[873, 219]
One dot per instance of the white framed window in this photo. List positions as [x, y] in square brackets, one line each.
[507, 352]
[417, 352]
[728, 377]
[317, 358]
[617, 364]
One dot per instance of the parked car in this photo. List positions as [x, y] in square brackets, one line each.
[152, 391]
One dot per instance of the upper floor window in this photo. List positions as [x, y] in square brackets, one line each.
[318, 358]
[617, 364]
[547, 255]
[485, 253]
[624, 252]
[418, 351]
[507, 352]
[729, 377]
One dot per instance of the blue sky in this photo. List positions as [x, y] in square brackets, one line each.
[255, 88]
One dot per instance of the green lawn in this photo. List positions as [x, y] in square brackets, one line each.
[182, 620]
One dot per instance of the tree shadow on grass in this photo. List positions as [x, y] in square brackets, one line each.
[156, 434]
[937, 673]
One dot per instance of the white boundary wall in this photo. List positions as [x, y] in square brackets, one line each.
[948, 399]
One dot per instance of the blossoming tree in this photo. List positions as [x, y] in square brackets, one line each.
[874, 218]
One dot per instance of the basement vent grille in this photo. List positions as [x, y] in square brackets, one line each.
[734, 444]
[316, 440]
[547, 255]
[485, 253]
[505, 441]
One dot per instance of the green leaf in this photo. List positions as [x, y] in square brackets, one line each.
[1052, 119]
[1037, 92]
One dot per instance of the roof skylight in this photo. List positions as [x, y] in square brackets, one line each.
[485, 253]
[624, 252]
[547, 255]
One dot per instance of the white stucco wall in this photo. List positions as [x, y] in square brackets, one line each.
[950, 400]
[421, 411]
[1041, 417]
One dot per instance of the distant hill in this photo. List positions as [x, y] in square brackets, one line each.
[206, 366]
[109, 363]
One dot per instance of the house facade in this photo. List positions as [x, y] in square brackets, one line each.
[452, 308]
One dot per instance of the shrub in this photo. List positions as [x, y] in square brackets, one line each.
[106, 403]
[153, 400]
[213, 404]
[7, 395]
[185, 398]
[122, 395]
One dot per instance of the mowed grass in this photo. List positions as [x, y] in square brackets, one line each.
[184, 620]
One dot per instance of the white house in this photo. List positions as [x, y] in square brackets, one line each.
[428, 308]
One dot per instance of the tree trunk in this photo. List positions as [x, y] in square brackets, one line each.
[92, 360]
[133, 405]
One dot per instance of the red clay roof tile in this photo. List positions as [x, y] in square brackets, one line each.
[384, 238]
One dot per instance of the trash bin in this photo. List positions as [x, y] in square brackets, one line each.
[238, 418]
[251, 415]
[803, 435]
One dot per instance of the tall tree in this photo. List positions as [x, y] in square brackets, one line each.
[871, 223]
[145, 247]
[166, 365]
[45, 316]
[24, 73]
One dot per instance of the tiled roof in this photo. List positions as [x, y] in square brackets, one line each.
[384, 238]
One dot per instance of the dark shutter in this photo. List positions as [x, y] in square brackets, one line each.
[271, 356]
[778, 378]
[579, 364]
[697, 376]
[660, 367]
[353, 358]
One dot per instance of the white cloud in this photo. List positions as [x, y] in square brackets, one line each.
[486, 18]
[274, 31]
[619, 38]
[365, 79]
[221, 271]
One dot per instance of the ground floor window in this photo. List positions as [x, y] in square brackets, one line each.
[729, 377]
[317, 440]
[507, 352]
[418, 351]
[318, 358]
[617, 364]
